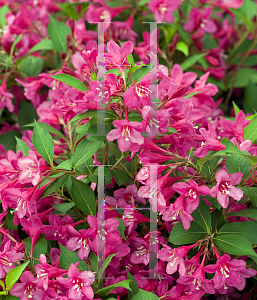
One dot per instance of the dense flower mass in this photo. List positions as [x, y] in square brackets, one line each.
[126, 170]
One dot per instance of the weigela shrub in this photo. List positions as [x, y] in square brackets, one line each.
[121, 174]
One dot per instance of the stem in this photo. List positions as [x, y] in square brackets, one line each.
[105, 154]
[117, 162]
[235, 74]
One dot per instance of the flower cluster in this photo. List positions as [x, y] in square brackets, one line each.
[121, 173]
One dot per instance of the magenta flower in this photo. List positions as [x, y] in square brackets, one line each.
[191, 192]
[226, 271]
[225, 187]
[211, 142]
[116, 56]
[141, 254]
[22, 200]
[163, 9]
[200, 21]
[174, 258]
[7, 259]
[128, 135]
[78, 283]
[235, 128]
[27, 289]
[178, 212]
[5, 97]
[30, 168]
[179, 78]
[81, 241]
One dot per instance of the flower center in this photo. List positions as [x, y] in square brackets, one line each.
[142, 91]
[162, 8]
[141, 251]
[5, 261]
[224, 270]
[224, 188]
[191, 193]
[78, 284]
[29, 290]
[126, 133]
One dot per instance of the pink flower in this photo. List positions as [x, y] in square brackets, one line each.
[191, 191]
[225, 187]
[128, 135]
[31, 168]
[174, 258]
[78, 283]
[211, 142]
[163, 9]
[226, 271]
[116, 56]
[178, 212]
[179, 78]
[200, 21]
[235, 128]
[5, 97]
[7, 259]
[81, 241]
[27, 289]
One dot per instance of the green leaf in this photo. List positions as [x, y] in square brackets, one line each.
[16, 41]
[250, 99]
[180, 236]
[68, 257]
[48, 128]
[98, 133]
[120, 176]
[27, 114]
[21, 145]
[191, 61]
[43, 143]
[191, 95]
[247, 228]
[243, 77]
[250, 131]
[3, 11]
[69, 9]
[121, 228]
[10, 297]
[106, 264]
[133, 285]
[42, 45]
[250, 213]
[2, 284]
[40, 247]
[13, 275]
[217, 220]
[66, 165]
[236, 108]
[83, 196]
[251, 192]
[209, 165]
[202, 216]
[94, 113]
[114, 3]
[64, 207]
[32, 66]
[238, 163]
[93, 260]
[58, 32]
[71, 81]
[144, 295]
[84, 150]
[234, 244]
[182, 47]
[138, 74]
[8, 139]
[107, 290]
[143, 2]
